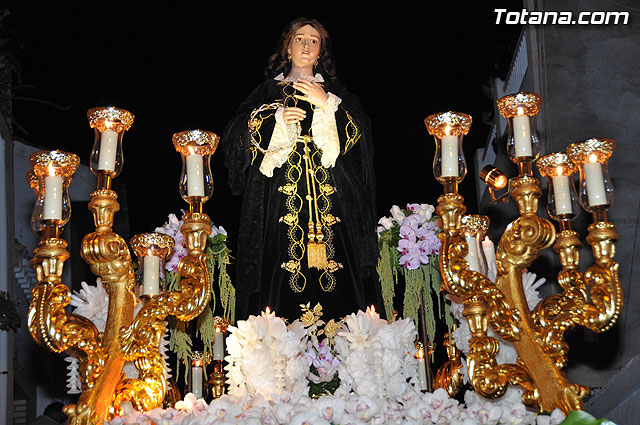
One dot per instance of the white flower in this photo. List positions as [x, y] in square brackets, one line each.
[362, 407]
[92, 302]
[386, 222]
[397, 214]
[530, 286]
[555, 418]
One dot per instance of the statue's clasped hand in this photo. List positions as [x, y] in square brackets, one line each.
[312, 92]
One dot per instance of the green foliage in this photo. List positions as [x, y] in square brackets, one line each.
[9, 317]
[323, 388]
[218, 257]
[579, 417]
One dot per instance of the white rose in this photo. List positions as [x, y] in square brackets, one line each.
[397, 214]
[386, 222]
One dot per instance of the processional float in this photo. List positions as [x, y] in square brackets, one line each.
[592, 299]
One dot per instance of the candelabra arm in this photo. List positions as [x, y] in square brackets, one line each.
[48, 322]
[108, 257]
[448, 376]
[141, 340]
[489, 378]
[459, 280]
[592, 299]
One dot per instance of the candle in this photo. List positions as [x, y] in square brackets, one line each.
[422, 370]
[449, 154]
[522, 135]
[562, 193]
[151, 275]
[52, 196]
[195, 174]
[595, 182]
[108, 149]
[489, 250]
[218, 345]
[196, 380]
[472, 254]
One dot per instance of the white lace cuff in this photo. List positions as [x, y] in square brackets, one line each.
[325, 131]
[281, 144]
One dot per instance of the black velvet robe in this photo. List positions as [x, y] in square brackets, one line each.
[263, 240]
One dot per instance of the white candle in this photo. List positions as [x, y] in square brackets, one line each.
[472, 254]
[52, 196]
[422, 370]
[150, 275]
[522, 136]
[595, 182]
[195, 175]
[218, 345]
[196, 381]
[489, 250]
[108, 150]
[449, 156]
[562, 193]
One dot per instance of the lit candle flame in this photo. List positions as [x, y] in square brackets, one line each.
[420, 354]
[593, 158]
[520, 111]
[267, 310]
[372, 308]
[447, 130]
[218, 329]
[51, 169]
[559, 170]
[191, 149]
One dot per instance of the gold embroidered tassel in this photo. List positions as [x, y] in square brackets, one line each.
[312, 247]
[321, 249]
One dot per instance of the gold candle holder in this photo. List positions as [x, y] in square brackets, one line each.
[217, 379]
[562, 204]
[106, 390]
[107, 159]
[152, 249]
[50, 178]
[196, 183]
[474, 228]
[448, 129]
[596, 190]
[523, 145]
[592, 299]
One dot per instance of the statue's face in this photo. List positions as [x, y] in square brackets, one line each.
[305, 47]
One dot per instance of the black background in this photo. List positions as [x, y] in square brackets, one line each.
[185, 67]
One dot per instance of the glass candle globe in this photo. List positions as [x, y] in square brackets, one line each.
[152, 249]
[520, 110]
[474, 228]
[195, 148]
[109, 124]
[562, 198]
[50, 178]
[592, 156]
[448, 129]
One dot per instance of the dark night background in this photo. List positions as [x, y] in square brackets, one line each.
[185, 67]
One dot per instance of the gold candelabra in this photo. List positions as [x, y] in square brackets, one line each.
[125, 338]
[592, 299]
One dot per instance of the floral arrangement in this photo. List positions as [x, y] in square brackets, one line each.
[269, 374]
[266, 357]
[218, 256]
[321, 354]
[409, 247]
